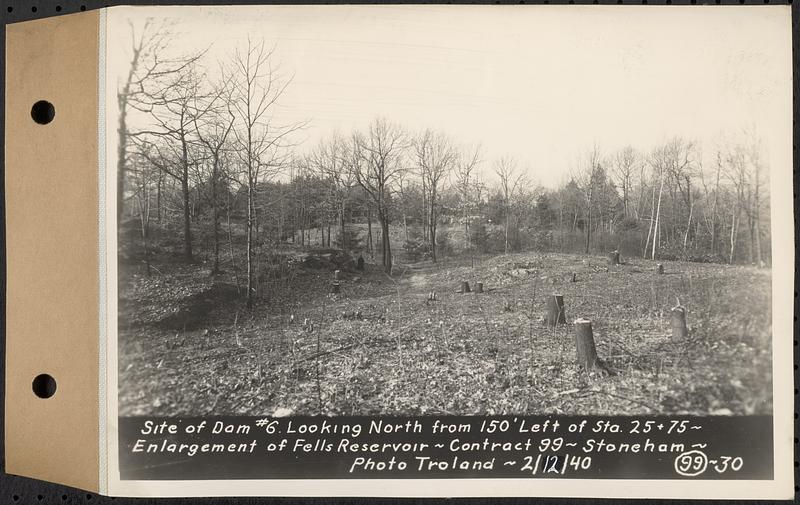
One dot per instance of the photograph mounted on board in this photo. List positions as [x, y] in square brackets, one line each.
[397, 210]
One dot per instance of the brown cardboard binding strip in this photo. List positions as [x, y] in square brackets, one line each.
[52, 250]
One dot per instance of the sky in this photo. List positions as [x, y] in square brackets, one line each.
[542, 84]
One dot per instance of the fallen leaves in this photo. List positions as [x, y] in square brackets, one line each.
[384, 351]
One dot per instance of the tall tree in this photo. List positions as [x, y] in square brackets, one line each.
[261, 142]
[466, 165]
[510, 183]
[170, 138]
[330, 160]
[624, 169]
[213, 132]
[379, 153]
[150, 71]
[435, 157]
[585, 177]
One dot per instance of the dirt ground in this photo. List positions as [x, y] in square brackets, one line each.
[187, 344]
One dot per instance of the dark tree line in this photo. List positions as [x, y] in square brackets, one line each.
[211, 155]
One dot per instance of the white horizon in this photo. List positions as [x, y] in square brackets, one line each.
[542, 84]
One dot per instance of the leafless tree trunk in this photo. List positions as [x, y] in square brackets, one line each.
[734, 216]
[163, 88]
[658, 214]
[465, 167]
[652, 220]
[256, 90]
[510, 184]
[213, 133]
[435, 156]
[377, 163]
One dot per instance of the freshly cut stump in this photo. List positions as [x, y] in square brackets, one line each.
[613, 258]
[337, 274]
[555, 311]
[585, 350]
[335, 287]
[479, 287]
[659, 269]
[679, 329]
[464, 287]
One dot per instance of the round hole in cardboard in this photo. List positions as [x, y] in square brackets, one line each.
[43, 112]
[44, 386]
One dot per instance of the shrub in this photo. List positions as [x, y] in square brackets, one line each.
[416, 249]
[444, 244]
[479, 237]
[354, 242]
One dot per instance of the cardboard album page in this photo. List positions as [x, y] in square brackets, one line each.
[402, 251]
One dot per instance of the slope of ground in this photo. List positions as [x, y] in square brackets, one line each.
[380, 346]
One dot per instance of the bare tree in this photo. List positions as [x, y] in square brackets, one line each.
[711, 221]
[659, 165]
[380, 153]
[681, 164]
[149, 73]
[466, 164]
[738, 173]
[330, 160]
[754, 155]
[261, 142]
[435, 157]
[511, 180]
[213, 132]
[142, 177]
[585, 178]
[624, 168]
[169, 140]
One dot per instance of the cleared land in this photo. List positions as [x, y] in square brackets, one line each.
[187, 345]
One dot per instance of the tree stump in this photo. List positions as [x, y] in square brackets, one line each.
[659, 269]
[360, 263]
[613, 258]
[679, 329]
[585, 350]
[555, 311]
[479, 287]
[337, 275]
[464, 287]
[335, 287]
[432, 296]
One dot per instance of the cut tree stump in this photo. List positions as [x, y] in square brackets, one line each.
[432, 296]
[464, 287]
[585, 350]
[335, 287]
[613, 258]
[479, 287]
[679, 329]
[555, 311]
[337, 275]
[659, 269]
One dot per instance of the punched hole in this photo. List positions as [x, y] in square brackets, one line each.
[43, 112]
[44, 386]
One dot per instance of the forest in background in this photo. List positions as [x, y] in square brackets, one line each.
[210, 156]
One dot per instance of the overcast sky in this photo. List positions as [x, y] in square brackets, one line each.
[539, 83]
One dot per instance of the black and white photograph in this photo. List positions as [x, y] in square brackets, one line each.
[420, 211]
